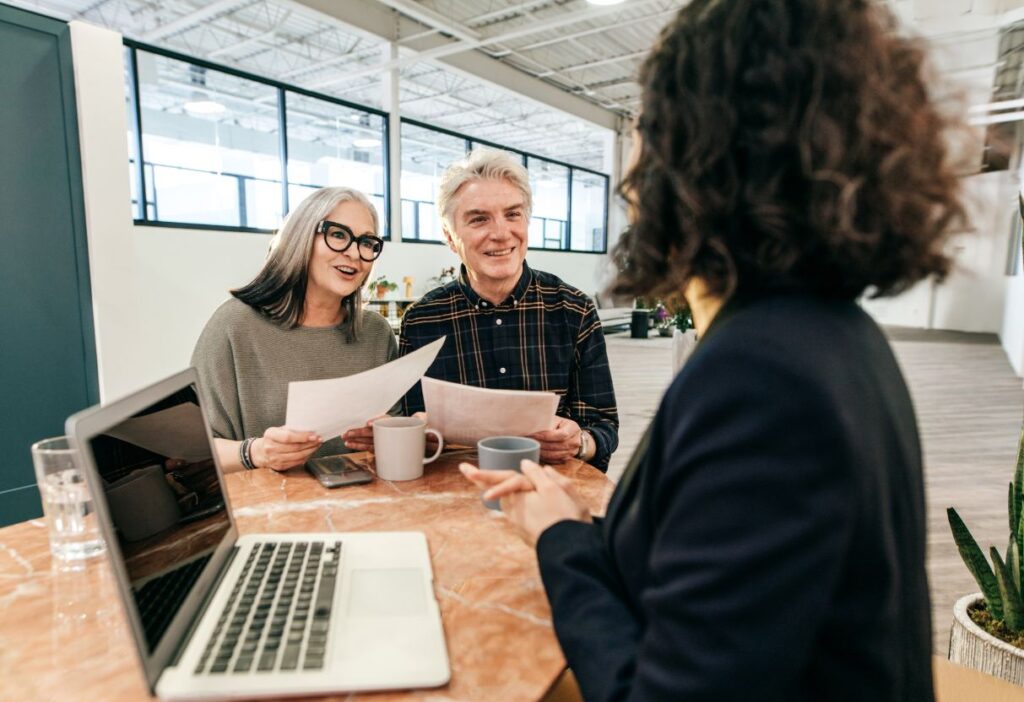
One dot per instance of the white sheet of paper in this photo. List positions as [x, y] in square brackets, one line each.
[333, 406]
[465, 414]
[176, 432]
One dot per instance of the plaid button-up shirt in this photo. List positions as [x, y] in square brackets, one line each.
[544, 336]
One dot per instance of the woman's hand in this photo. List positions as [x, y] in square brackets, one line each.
[361, 438]
[534, 500]
[560, 443]
[280, 448]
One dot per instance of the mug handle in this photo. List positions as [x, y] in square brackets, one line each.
[440, 445]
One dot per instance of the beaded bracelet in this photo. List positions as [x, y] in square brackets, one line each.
[244, 454]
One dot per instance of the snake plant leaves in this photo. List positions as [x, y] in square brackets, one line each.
[1013, 607]
[976, 563]
[1013, 504]
[1013, 561]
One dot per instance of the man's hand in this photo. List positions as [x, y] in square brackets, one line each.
[280, 448]
[533, 500]
[560, 443]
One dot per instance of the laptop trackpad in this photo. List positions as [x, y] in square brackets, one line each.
[387, 592]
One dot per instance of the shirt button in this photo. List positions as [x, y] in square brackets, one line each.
[502, 371]
[498, 322]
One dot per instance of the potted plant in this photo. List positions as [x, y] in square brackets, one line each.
[663, 320]
[988, 627]
[684, 336]
[446, 276]
[382, 286]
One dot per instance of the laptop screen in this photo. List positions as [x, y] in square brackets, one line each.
[165, 501]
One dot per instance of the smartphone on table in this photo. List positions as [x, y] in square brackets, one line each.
[338, 471]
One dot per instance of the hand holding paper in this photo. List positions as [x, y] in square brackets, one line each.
[465, 414]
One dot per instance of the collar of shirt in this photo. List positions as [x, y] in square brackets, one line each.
[514, 298]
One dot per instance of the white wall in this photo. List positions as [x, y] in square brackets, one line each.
[973, 297]
[1012, 334]
[99, 89]
[155, 287]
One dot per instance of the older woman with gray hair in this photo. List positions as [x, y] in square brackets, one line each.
[301, 318]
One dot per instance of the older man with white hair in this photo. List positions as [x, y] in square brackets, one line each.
[509, 326]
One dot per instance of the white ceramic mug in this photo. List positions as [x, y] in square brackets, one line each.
[398, 446]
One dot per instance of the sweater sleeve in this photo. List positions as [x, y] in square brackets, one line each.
[214, 360]
[749, 507]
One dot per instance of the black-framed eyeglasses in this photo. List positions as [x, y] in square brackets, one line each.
[339, 237]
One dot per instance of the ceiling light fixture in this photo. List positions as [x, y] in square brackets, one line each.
[365, 143]
[204, 107]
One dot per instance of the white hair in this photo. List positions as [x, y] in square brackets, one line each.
[481, 164]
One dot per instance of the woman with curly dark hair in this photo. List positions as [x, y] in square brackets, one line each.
[767, 540]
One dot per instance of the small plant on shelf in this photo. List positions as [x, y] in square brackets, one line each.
[382, 286]
[447, 275]
[1001, 612]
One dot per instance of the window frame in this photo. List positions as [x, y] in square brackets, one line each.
[141, 207]
[524, 156]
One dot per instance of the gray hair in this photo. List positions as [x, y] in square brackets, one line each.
[481, 164]
[279, 290]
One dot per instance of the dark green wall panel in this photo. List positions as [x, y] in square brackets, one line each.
[47, 356]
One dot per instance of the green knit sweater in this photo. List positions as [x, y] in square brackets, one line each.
[245, 362]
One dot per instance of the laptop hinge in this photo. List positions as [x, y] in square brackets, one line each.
[206, 603]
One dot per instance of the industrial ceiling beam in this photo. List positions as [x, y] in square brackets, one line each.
[384, 22]
[209, 11]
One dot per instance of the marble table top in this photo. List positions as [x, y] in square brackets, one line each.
[63, 634]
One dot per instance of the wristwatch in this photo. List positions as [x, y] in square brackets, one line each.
[583, 445]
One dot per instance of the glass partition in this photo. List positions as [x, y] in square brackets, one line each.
[589, 202]
[209, 145]
[331, 144]
[425, 155]
[549, 220]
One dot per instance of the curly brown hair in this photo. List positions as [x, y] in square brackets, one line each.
[786, 144]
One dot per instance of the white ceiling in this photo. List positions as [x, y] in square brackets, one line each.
[452, 55]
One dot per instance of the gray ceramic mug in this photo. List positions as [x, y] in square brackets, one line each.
[505, 453]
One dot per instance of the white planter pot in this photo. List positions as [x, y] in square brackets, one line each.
[683, 344]
[972, 646]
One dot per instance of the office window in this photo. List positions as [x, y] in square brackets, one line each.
[589, 203]
[550, 218]
[425, 155]
[331, 144]
[210, 145]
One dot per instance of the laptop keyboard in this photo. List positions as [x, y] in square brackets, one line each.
[278, 614]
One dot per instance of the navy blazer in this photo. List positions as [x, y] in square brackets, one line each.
[769, 543]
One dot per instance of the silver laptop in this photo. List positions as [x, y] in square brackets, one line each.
[217, 616]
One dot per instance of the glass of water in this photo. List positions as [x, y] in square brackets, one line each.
[67, 502]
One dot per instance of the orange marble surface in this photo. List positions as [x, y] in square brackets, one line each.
[63, 635]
